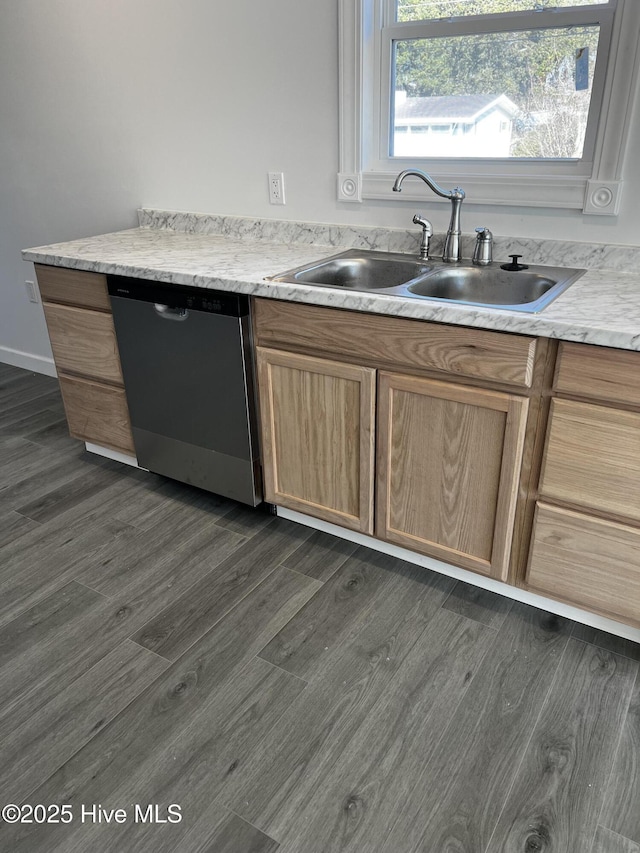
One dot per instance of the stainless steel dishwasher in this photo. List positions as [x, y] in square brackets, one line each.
[187, 368]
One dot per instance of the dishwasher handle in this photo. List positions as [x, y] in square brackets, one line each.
[169, 313]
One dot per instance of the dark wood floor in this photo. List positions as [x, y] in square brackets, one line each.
[288, 690]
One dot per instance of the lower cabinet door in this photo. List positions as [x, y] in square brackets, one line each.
[587, 561]
[97, 413]
[318, 436]
[448, 468]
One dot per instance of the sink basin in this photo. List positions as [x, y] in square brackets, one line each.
[391, 274]
[484, 286]
[360, 270]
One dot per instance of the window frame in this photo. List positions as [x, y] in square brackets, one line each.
[592, 184]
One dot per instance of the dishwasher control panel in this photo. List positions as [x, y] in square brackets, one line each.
[179, 296]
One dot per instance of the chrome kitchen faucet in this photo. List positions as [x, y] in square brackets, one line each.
[452, 244]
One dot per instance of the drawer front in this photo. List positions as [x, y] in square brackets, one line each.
[83, 342]
[593, 458]
[586, 561]
[395, 342]
[599, 373]
[73, 287]
[97, 413]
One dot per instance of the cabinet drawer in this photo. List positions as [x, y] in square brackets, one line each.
[73, 287]
[586, 561]
[396, 342]
[97, 413]
[593, 458]
[599, 373]
[84, 342]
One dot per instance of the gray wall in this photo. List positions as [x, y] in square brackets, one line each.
[108, 105]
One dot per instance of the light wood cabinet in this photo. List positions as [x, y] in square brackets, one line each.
[78, 313]
[586, 541]
[397, 343]
[317, 430]
[599, 373]
[84, 342]
[587, 561]
[97, 413]
[73, 287]
[592, 458]
[449, 451]
[448, 470]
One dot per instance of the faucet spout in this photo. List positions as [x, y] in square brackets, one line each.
[452, 244]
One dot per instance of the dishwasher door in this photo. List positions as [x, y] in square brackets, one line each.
[188, 379]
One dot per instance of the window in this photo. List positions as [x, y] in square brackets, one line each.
[523, 102]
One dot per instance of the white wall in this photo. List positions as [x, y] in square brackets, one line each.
[107, 105]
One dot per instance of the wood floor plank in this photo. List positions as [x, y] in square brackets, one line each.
[361, 795]
[558, 791]
[13, 526]
[159, 499]
[197, 761]
[193, 613]
[17, 390]
[7, 370]
[458, 799]
[336, 610]
[30, 647]
[321, 556]
[479, 604]
[33, 628]
[118, 764]
[47, 558]
[11, 414]
[142, 557]
[621, 812]
[234, 835]
[21, 460]
[70, 646]
[72, 493]
[246, 520]
[271, 787]
[45, 427]
[50, 736]
[35, 472]
[617, 645]
[119, 500]
[610, 842]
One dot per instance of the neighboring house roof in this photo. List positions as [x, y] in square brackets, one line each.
[447, 108]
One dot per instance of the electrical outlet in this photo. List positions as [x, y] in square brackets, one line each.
[32, 291]
[276, 187]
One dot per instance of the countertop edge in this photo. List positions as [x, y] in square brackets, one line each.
[580, 330]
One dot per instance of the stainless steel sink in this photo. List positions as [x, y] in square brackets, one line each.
[360, 270]
[528, 290]
[489, 286]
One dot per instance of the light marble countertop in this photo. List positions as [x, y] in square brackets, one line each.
[234, 254]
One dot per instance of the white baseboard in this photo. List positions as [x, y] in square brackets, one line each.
[539, 601]
[28, 361]
[113, 454]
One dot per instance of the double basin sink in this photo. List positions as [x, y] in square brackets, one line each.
[528, 290]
